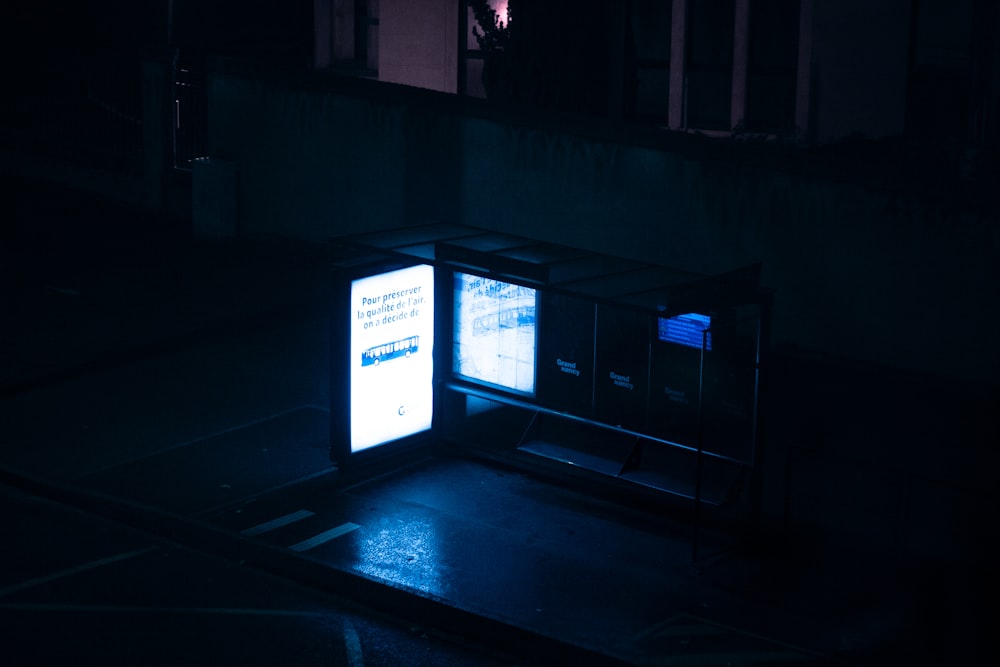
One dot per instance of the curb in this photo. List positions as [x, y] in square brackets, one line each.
[422, 610]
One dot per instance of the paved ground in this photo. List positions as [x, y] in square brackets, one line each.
[77, 589]
[165, 470]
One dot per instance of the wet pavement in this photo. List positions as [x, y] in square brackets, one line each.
[165, 466]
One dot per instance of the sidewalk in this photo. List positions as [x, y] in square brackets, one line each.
[89, 285]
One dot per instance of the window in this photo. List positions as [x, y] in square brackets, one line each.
[346, 35]
[735, 65]
[939, 101]
[709, 66]
[773, 44]
[647, 61]
[472, 58]
[366, 33]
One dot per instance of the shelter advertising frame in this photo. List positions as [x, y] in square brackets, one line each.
[624, 362]
[382, 360]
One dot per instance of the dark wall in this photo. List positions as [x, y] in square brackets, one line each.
[884, 273]
[563, 54]
[261, 29]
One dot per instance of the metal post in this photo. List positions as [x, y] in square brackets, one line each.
[698, 461]
[153, 135]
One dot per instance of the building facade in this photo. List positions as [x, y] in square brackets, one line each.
[814, 71]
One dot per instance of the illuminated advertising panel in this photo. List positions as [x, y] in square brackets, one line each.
[391, 362]
[676, 375]
[686, 330]
[494, 333]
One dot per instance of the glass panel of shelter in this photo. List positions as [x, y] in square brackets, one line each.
[607, 386]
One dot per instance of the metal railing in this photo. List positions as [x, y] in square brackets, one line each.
[190, 118]
[91, 114]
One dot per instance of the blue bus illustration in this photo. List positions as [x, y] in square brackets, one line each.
[508, 318]
[378, 354]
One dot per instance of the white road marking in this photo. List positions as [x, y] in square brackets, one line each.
[353, 645]
[124, 609]
[37, 581]
[200, 438]
[682, 627]
[274, 524]
[324, 537]
[747, 658]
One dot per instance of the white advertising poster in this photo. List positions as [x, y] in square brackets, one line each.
[392, 365]
[494, 332]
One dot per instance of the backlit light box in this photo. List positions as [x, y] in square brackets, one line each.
[391, 361]
[494, 333]
[686, 330]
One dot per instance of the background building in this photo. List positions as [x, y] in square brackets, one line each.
[812, 70]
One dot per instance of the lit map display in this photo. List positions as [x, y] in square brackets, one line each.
[494, 332]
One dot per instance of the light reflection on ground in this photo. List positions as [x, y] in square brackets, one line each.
[402, 550]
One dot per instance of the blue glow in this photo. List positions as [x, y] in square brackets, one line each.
[494, 332]
[685, 330]
[392, 368]
[378, 354]
[403, 549]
